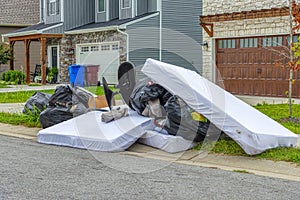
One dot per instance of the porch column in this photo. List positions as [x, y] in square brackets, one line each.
[43, 56]
[27, 60]
[11, 62]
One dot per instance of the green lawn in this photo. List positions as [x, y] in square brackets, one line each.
[281, 111]
[19, 97]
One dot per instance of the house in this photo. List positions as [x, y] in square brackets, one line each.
[108, 32]
[248, 42]
[15, 15]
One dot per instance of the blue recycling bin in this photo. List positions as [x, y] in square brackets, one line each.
[76, 73]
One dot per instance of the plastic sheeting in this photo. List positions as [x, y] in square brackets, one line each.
[252, 130]
[88, 132]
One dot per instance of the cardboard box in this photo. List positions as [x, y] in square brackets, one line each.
[98, 102]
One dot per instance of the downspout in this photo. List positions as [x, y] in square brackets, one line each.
[160, 29]
[127, 42]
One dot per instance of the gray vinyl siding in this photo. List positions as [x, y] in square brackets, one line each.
[182, 34]
[152, 5]
[143, 41]
[50, 19]
[146, 6]
[142, 7]
[113, 9]
[78, 13]
[56, 30]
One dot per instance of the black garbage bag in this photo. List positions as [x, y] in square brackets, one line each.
[180, 122]
[55, 115]
[62, 96]
[64, 104]
[36, 103]
[144, 93]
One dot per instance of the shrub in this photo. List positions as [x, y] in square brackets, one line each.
[15, 76]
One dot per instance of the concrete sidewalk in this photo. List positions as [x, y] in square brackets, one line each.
[261, 167]
[16, 88]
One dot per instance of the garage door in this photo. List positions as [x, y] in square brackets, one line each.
[248, 66]
[106, 55]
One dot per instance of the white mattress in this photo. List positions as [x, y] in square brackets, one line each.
[168, 143]
[252, 130]
[88, 132]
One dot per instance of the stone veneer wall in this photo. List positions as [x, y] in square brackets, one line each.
[212, 7]
[239, 28]
[68, 43]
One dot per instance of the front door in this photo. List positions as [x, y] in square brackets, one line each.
[54, 57]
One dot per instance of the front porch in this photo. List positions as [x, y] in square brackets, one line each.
[27, 39]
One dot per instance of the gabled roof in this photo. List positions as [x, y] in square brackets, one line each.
[111, 23]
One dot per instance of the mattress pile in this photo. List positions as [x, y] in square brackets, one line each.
[252, 130]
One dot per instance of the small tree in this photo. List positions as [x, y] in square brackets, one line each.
[5, 53]
[293, 50]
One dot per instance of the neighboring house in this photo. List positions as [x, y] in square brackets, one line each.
[15, 15]
[246, 39]
[108, 32]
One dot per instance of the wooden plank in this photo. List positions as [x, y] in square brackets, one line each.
[43, 52]
[27, 60]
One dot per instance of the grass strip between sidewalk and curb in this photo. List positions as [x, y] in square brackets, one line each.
[30, 120]
[230, 147]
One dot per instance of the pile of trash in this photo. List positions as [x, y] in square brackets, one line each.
[64, 104]
[171, 110]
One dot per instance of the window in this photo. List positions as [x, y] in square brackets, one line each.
[295, 38]
[115, 47]
[125, 3]
[272, 41]
[228, 43]
[105, 47]
[94, 48]
[101, 5]
[248, 43]
[53, 7]
[85, 49]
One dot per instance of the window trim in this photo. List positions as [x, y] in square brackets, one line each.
[129, 4]
[54, 3]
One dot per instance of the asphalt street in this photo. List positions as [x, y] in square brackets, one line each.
[30, 170]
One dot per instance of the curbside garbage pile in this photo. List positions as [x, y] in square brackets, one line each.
[171, 110]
